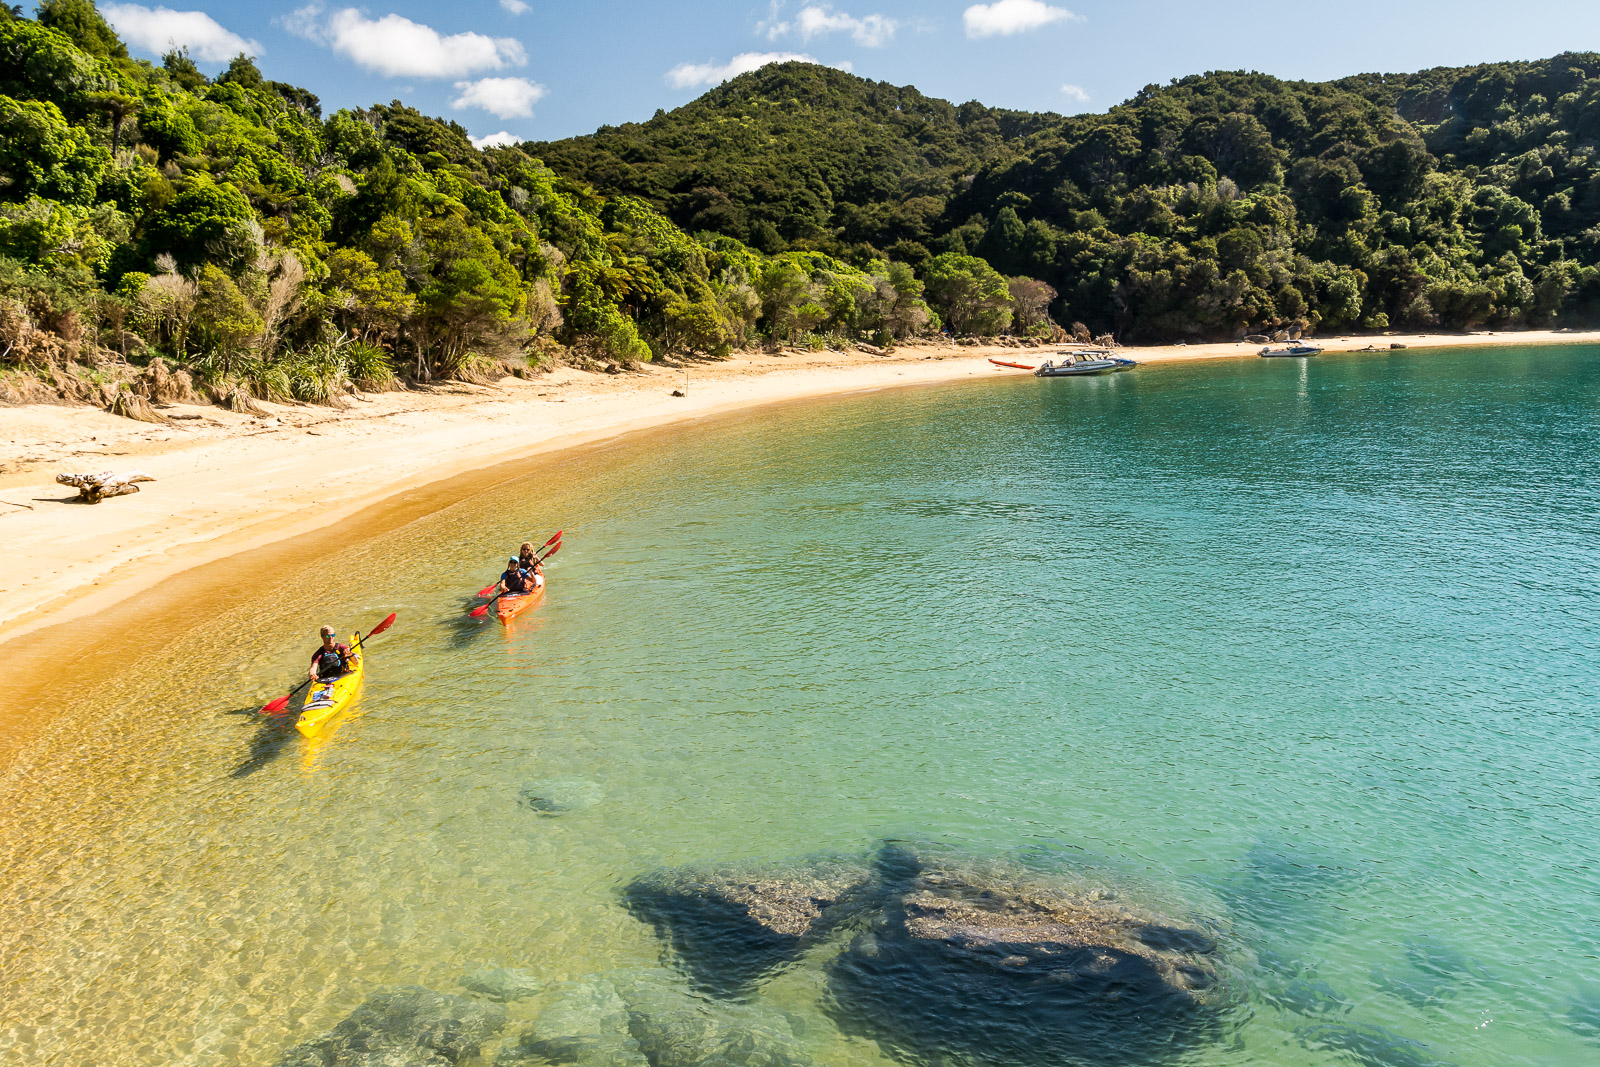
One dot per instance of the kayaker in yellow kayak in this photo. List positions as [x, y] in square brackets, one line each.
[332, 660]
[514, 581]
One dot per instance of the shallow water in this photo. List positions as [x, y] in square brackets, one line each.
[1299, 650]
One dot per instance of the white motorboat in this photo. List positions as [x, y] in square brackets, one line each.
[1083, 361]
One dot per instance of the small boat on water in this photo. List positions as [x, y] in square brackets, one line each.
[1296, 348]
[1083, 361]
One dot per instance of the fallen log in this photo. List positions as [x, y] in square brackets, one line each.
[93, 488]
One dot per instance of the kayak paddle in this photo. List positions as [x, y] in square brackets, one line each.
[486, 590]
[483, 609]
[282, 702]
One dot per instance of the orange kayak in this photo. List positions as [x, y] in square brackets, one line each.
[1007, 363]
[509, 607]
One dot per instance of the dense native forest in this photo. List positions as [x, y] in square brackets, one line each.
[1219, 204]
[165, 232]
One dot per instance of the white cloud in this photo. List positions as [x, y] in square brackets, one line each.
[689, 75]
[1005, 17]
[398, 47]
[1076, 92]
[816, 20]
[515, 7]
[506, 98]
[495, 140]
[159, 29]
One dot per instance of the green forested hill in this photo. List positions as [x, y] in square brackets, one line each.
[1449, 198]
[799, 153]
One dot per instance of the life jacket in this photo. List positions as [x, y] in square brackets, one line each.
[516, 582]
[331, 663]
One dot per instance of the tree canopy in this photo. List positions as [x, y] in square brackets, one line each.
[1217, 204]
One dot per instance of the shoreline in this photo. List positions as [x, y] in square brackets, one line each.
[228, 483]
[235, 493]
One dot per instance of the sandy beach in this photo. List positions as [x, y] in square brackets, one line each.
[228, 483]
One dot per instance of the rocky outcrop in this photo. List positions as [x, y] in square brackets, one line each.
[729, 929]
[941, 956]
[989, 964]
[404, 1027]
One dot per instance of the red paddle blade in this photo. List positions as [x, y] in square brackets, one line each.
[276, 706]
[479, 612]
[486, 590]
[550, 553]
[552, 540]
[382, 626]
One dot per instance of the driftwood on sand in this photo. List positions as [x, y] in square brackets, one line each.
[93, 488]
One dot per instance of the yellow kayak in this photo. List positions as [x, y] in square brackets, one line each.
[327, 699]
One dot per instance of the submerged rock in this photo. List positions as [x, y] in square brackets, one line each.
[558, 796]
[501, 983]
[1583, 1013]
[1433, 972]
[729, 928]
[945, 957]
[404, 1027]
[676, 1029]
[585, 1023]
[1373, 1046]
[994, 965]
[646, 1019]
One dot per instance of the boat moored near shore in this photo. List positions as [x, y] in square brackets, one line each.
[1296, 348]
[1083, 361]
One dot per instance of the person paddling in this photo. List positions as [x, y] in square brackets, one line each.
[332, 660]
[515, 581]
[532, 566]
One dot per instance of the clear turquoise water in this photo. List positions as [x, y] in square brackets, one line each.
[1305, 649]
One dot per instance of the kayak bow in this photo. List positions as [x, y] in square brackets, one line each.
[512, 606]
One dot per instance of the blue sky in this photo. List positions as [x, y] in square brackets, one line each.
[538, 70]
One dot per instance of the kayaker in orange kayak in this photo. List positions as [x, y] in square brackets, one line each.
[515, 581]
[532, 566]
[332, 660]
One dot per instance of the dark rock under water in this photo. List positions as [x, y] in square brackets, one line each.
[645, 1018]
[730, 928]
[1432, 973]
[403, 1027]
[973, 963]
[559, 796]
[945, 958]
[1583, 1013]
[1372, 1046]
